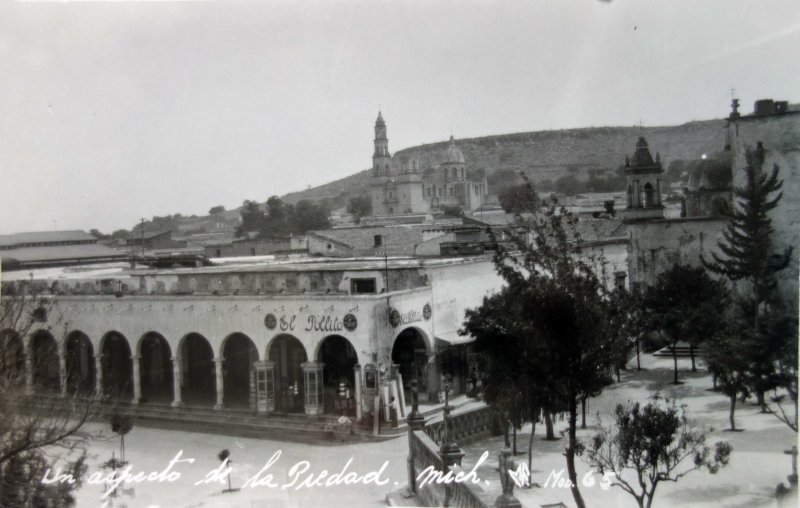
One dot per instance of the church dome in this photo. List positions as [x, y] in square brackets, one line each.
[710, 174]
[453, 155]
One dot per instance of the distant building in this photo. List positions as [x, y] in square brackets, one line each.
[154, 240]
[643, 177]
[398, 188]
[53, 248]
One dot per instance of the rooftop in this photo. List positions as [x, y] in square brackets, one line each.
[45, 237]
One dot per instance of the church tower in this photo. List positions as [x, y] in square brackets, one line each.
[643, 179]
[381, 159]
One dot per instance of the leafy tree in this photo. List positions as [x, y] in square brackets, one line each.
[507, 359]
[563, 318]
[253, 218]
[653, 443]
[785, 328]
[307, 216]
[121, 424]
[120, 234]
[685, 304]
[747, 255]
[214, 210]
[97, 234]
[517, 198]
[360, 206]
[224, 456]
[727, 356]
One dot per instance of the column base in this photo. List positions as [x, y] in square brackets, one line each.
[176, 403]
[219, 406]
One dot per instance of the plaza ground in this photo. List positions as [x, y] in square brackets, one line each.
[757, 463]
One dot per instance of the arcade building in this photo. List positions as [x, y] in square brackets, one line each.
[313, 337]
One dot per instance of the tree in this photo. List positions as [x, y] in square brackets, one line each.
[253, 218]
[97, 234]
[307, 216]
[121, 424]
[728, 357]
[224, 456]
[785, 327]
[516, 198]
[35, 431]
[747, 255]
[564, 314]
[652, 442]
[685, 304]
[360, 206]
[214, 210]
[506, 359]
[120, 234]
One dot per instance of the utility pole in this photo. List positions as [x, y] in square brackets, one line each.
[142, 219]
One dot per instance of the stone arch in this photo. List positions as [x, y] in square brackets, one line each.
[338, 375]
[238, 352]
[288, 353]
[79, 361]
[12, 357]
[410, 352]
[155, 368]
[45, 363]
[117, 365]
[198, 372]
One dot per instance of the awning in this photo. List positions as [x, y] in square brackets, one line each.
[445, 340]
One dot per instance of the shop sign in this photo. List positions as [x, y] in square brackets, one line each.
[396, 319]
[288, 323]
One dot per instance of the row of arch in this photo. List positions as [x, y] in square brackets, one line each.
[194, 376]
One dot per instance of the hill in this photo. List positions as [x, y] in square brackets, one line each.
[546, 155]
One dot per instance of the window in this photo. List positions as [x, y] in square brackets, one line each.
[451, 191]
[378, 240]
[362, 286]
[252, 251]
[440, 192]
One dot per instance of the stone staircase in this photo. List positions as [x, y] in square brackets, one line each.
[681, 351]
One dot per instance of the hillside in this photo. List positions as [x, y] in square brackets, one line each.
[548, 154]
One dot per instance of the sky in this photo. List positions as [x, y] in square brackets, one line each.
[112, 111]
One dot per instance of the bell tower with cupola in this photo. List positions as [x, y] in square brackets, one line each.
[381, 159]
[643, 179]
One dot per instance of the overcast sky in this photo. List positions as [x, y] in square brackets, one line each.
[114, 111]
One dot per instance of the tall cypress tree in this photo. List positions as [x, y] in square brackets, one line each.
[747, 255]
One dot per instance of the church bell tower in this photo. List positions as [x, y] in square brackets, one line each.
[381, 159]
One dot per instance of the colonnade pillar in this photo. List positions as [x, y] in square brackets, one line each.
[98, 369]
[220, 384]
[137, 379]
[177, 400]
[313, 385]
[357, 379]
[29, 372]
[62, 371]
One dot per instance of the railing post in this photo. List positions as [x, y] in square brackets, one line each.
[416, 421]
[506, 499]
